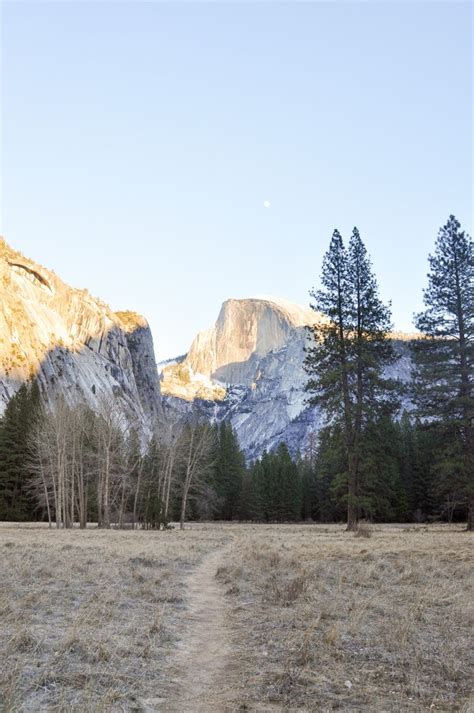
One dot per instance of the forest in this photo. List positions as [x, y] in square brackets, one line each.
[373, 460]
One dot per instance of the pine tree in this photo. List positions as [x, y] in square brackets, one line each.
[382, 497]
[249, 506]
[382, 494]
[259, 489]
[229, 471]
[444, 461]
[422, 492]
[20, 414]
[371, 320]
[288, 485]
[306, 463]
[331, 474]
[307, 478]
[273, 491]
[406, 458]
[352, 349]
[444, 378]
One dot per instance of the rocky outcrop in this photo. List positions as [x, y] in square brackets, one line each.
[74, 344]
[254, 356]
[245, 332]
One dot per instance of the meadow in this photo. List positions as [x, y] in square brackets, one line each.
[230, 617]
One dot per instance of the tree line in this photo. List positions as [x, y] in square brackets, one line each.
[73, 465]
[70, 465]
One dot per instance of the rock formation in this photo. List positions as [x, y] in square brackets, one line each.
[74, 344]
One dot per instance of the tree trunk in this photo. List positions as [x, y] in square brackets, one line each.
[122, 505]
[106, 514]
[82, 497]
[468, 414]
[470, 514]
[352, 496]
[187, 481]
[137, 493]
[352, 516]
[99, 499]
[84, 521]
[46, 495]
[183, 507]
[168, 488]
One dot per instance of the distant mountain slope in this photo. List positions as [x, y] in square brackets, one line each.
[73, 343]
[248, 368]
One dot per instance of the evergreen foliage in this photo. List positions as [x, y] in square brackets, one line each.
[273, 489]
[23, 409]
[444, 376]
[351, 351]
[229, 470]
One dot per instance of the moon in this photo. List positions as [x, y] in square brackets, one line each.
[266, 204]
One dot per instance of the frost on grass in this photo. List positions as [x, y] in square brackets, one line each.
[329, 622]
[89, 617]
[316, 619]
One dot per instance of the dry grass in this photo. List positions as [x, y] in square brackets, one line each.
[363, 530]
[320, 620]
[89, 617]
[329, 622]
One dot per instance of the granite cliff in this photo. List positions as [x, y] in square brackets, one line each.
[73, 343]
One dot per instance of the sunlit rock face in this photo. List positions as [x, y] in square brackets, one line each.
[245, 332]
[254, 353]
[253, 358]
[73, 343]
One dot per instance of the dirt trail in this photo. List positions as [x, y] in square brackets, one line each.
[199, 669]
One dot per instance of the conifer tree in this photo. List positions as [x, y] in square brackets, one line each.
[406, 457]
[249, 506]
[352, 349]
[306, 463]
[444, 378]
[20, 414]
[382, 495]
[276, 494]
[444, 463]
[307, 478]
[288, 485]
[229, 471]
[259, 474]
[331, 473]
[422, 493]
[269, 493]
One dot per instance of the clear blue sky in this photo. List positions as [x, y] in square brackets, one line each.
[140, 141]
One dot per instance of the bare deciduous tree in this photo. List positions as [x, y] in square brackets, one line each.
[197, 445]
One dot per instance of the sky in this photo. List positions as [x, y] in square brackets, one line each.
[140, 142]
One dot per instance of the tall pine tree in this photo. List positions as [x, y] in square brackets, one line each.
[16, 502]
[229, 471]
[352, 349]
[444, 378]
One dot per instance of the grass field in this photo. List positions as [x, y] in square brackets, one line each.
[236, 618]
